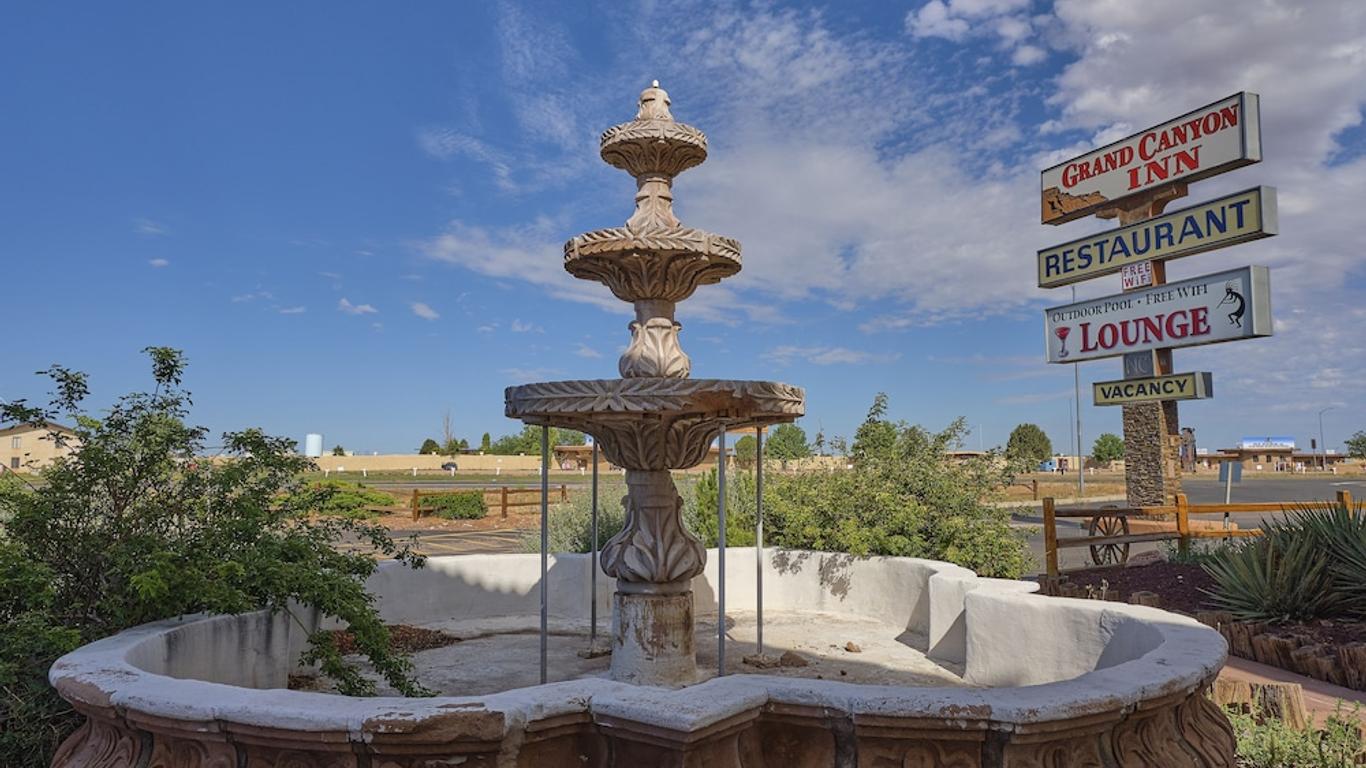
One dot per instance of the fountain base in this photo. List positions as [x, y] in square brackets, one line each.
[652, 639]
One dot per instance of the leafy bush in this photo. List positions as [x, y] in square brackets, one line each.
[571, 528]
[1270, 743]
[1309, 565]
[353, 501]
[904, 497]
[457, 505]
[135, 526]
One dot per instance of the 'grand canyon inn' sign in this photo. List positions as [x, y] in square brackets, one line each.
[1225, 306]
[1208, 141]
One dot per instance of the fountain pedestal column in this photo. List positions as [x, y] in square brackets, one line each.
[654, 559]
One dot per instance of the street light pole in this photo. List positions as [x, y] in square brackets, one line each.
[1323, 447]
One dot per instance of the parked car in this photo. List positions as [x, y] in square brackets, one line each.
[450, 465]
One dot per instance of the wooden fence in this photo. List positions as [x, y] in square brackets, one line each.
[1181, 532]
[504, 497]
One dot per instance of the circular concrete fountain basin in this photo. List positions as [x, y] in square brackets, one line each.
[949, 670]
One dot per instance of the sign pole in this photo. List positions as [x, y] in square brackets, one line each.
[1151, 430]
[593, 562]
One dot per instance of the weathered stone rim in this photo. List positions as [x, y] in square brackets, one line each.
[101, 676]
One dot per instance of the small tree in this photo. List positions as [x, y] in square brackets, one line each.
[1029, 445]
[1109, 447]
[745, 451]
[788, 442]
[485, 443]
[133, 525]
[450, 447]
[429, 447]
[1356, 445]
[337, 450]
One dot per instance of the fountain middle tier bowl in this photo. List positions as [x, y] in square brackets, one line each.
[655, 423]
[667, 263]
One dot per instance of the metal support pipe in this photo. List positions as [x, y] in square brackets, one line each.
[593, 563]
[545, 544]
[759, 535]
[721, 559]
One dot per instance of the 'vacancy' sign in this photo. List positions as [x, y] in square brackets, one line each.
[1178, 386]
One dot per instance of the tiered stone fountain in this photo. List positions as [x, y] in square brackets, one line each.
[954, 670]
[655, 418]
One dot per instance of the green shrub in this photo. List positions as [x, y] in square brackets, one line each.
[457, 505]
[1309, 565]
[1270, 743]
[134, 526]
[353, 501]
[903, 497]
[571, 528]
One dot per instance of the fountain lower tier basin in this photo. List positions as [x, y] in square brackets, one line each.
[655, 423]
[954, 670]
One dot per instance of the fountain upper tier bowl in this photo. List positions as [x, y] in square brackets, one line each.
[655, 423]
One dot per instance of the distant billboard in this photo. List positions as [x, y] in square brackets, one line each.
[1279, 442]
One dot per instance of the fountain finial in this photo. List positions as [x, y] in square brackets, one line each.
[654, 103]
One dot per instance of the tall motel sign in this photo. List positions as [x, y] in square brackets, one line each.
[1133, 180]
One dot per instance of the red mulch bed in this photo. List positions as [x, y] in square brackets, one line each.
[1179, 585]
[402, 637]
[1181, 588]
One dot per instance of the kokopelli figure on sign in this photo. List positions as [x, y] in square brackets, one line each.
[1232, 296]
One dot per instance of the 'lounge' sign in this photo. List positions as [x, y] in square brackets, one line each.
[1225, 306]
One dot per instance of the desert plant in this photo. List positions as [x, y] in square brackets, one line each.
[457, 505]
[571, 527]
[1270, 743]
[1308, 565]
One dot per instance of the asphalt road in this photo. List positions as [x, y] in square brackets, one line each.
[1200, 489]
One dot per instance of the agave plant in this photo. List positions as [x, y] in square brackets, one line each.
[1311, 564]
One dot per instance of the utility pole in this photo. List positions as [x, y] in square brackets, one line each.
[1323, 447]
[1076, 393]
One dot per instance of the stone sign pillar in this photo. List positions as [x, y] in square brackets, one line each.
[1152, 431]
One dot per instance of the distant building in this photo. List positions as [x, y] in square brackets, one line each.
[30, 447]
[1276, 454]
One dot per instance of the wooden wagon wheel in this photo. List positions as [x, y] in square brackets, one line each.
[1109, 525]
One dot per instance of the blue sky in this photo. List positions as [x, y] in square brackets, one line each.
[350, 216]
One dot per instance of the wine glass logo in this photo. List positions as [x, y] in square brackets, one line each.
[1061, 332]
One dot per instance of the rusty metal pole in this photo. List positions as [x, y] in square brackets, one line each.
[545, 544]
[759, 536]
[721, 558]
[593, 563]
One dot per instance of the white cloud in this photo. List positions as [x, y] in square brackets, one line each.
[159, 263]
[293, 310]
[525, 327]
[243, 298]
[821, 355]
[1026, 55]
[423, 311]
[356, 309]
[530, 375]
[933, 20]
[149, 228]
[586, 351]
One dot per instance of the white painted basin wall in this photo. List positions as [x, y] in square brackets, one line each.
[1041, 658]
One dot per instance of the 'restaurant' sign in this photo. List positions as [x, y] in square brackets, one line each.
[1199, 144]
[1237, 218]
[1178, 386]
[1225, 306]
